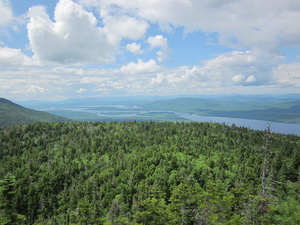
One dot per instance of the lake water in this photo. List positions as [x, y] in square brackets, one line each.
[283, 128]
[126, 112]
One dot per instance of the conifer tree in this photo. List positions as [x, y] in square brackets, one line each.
[7, 201]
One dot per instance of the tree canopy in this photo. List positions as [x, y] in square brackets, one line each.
[147, 173]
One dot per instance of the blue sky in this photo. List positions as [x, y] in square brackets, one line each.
[52, 50]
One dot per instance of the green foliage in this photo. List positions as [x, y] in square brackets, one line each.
[8, 213]
[152, 211]
[145, 173]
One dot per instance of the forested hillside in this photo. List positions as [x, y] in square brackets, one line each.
[148, 173]
[14, 114]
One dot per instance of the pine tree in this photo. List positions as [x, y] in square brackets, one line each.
[8, 214]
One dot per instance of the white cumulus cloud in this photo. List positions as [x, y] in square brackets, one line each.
[81, 90]
[251, 79]
[74, 37]
[243, 24]
[157, 41]
[140, 67]
[122, 26]
[80, 35]
[238, 78]
[160, 42]
[10, 57]
[134, 48]
[239, 66]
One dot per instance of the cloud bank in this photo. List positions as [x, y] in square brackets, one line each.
[5, 12]
[238, 23]
[112, 47]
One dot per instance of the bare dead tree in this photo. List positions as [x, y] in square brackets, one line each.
[267, 184]
[266, 166]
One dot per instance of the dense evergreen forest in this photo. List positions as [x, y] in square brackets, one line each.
[148, 173]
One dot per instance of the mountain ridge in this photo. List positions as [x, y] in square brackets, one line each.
[13, 114]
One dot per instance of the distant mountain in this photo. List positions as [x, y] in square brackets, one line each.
[93, 101]
[160, 101]
[261, 108]
[277, 108]
[14, 114]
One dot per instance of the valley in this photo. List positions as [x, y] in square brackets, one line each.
[247, 111]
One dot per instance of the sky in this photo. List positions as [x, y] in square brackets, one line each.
[53, 50]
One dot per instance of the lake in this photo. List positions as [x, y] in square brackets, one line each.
[130, 112]
[283, 128]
